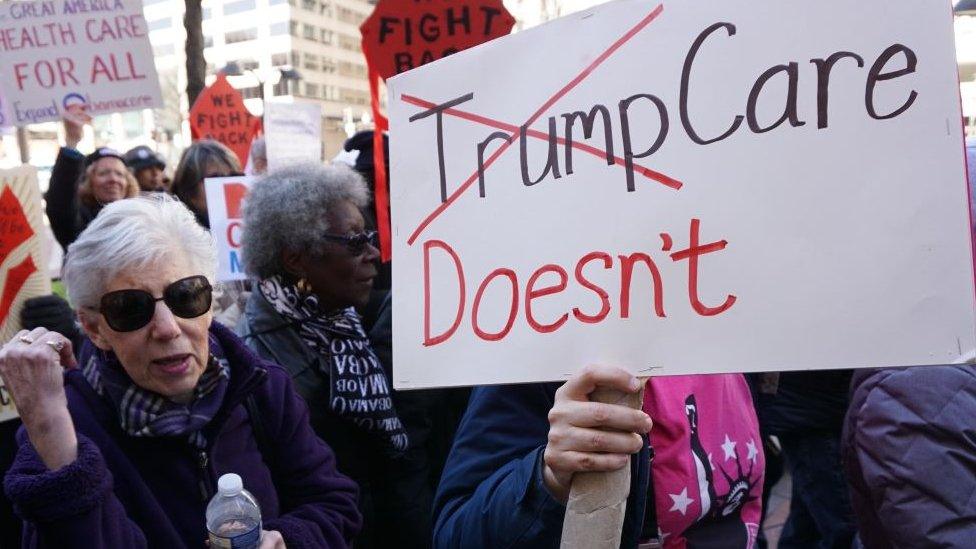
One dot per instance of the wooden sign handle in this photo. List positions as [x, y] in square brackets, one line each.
[598, 501]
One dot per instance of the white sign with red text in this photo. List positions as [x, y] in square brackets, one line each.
[225, 206]
[55, 54]
[684, 188]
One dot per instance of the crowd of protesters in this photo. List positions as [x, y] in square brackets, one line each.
[172, 380]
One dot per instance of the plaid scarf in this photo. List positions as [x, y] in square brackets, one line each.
[143, 413]
[358, 386]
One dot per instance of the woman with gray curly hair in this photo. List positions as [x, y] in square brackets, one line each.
[125, 449]
[306, 243]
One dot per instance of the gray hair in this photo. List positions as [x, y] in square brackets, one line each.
[287, 210]
[133, 234]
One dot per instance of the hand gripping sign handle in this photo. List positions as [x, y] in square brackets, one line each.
[598, 501]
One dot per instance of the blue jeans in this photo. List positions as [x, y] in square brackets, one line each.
[820, 509]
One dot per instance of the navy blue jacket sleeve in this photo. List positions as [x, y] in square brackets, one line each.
[61, 198]
[71, 507]
[491, 493]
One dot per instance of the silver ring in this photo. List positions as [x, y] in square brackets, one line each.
[56, 345]
[26, 339]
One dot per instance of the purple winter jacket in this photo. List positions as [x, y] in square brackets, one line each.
[909, 451]
[136, 492]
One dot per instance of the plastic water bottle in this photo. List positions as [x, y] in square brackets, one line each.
[233, 516]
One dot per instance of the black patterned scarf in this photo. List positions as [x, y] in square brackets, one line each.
[143, 413]
[359, 390]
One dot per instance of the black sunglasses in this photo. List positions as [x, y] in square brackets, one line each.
[356, 244]
[129, 310]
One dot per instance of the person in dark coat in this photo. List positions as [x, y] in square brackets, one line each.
[806, 413]
[509, 474]
[124, 449]
[81, 185]
[909, 451]
[313, 261]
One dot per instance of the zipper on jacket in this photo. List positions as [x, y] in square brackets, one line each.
[202, 461]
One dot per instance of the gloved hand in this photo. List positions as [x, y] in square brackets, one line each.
[51, 312]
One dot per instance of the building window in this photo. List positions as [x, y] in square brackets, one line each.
[328, 65]
[251, 93]
[325, 9]
[352, 69]
[326, 36]
[296, 59]
[293, 28]
[355, 97]
[347, 15]
[311, 61]
[347, 42]
[279, 59]
[309, 5]
[207, 13]
[207, 41]
[242, 35]
[311, 90]
[239, 6]
[160, 24]
[281, 88]
[280, 28]
[330, 93]
[308, 31]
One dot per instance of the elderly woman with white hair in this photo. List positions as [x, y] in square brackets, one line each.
[306, 244]
[124, 448]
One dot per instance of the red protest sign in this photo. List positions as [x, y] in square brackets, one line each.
[402, 34]
[219, 114]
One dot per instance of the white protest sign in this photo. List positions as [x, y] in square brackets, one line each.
[751, 185]
[4, 112]
[23, 256]
[292, 133]
[58, 53]
[225, 204]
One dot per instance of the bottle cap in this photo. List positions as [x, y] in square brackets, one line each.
[230, 484]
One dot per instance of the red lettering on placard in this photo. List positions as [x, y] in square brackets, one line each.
[234, 195]
[531, 293]
[692, 253]
[627, 266]
[428, 340]
[510, 274]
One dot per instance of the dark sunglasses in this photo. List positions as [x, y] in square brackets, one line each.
[356, 244]
[129, 310]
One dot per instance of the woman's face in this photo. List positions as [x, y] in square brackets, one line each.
[108, 180]
[339, 278]
[168, 355]
[215, 168]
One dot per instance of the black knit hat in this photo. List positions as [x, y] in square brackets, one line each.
[102, 152]
[143, 157]
[363, 142]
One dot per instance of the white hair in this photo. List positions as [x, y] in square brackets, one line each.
[133, 234]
